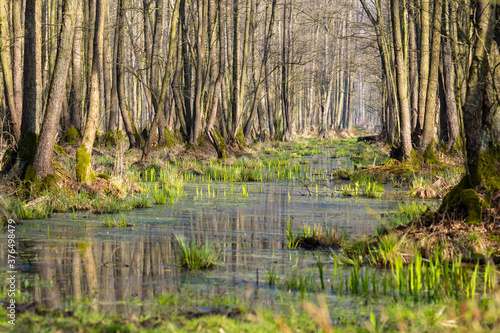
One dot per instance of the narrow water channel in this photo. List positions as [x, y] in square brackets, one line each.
[65, 259]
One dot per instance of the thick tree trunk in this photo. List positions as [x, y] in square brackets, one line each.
[32, 87]
[57, 93]
[482, 127]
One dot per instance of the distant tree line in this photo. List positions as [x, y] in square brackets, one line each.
[233, 70]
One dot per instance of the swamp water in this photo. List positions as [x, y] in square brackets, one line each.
[127, 270]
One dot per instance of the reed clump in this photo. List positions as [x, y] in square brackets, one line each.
[195, 256]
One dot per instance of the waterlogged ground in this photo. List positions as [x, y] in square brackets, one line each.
[69, 258]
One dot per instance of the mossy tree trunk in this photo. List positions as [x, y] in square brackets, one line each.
[480, 186]
[83, 166]
[57, 94]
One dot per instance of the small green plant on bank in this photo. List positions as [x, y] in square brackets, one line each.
[194, 256]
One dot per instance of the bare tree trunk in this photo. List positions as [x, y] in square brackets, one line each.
[5, 59]
[401, 74]
[77, 105]
[413, 64]
[113, 119]
[17, 65]
[424, 60]
[432, 88]
[198, 103]
[32, 96]
[285, 70]
[235, 88]
[57, 93]
[120, 79]
[167, 76]
[449, 81]
[262, 71]
[106, 65]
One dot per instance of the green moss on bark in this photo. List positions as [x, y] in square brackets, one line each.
[83, 172]
[240, 136]
[72, 136]
[430, 156]
[477, 190]
[110, 138]
[221, 144]
[170, 140]
[103, 176]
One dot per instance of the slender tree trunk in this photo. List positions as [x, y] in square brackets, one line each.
[57, 93]
[106, 65]
[77, 105]
[128, 122]
[198, 103]
[235, 88]
[6, 65]
[262, 71]
[413, 64]
[449, 81]
[432, 88]
[17, 64]
[424, 60]
[401, 74]
[167, 76]
[113, 119]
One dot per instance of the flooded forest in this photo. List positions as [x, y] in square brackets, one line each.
[249, 166]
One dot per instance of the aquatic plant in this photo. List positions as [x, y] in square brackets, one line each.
[112, 222]
[317, 237]
[143, 201]
[195, 256]
[373, 189]
[272, 277]
[404, 214]
[299, 280]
